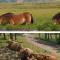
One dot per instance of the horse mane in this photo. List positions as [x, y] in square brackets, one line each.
[7, 14]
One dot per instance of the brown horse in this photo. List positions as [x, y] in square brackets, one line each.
[21, 18]
[56, 18]
[10, 18]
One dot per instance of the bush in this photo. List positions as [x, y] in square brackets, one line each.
[49, 27]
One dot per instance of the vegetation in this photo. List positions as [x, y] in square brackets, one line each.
[49, 38]
[53, 38]
[42, 15]
[20, 39]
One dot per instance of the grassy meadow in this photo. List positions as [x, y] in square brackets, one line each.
[42, 15]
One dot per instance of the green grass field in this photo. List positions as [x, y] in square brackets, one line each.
[42, 15]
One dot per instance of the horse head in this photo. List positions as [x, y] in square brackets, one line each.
[56, 18]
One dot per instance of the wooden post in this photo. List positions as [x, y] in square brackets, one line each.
[45, 35]
[15, 35]
[11, 36]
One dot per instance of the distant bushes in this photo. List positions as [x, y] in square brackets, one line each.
[36, 5]
[43, 27]
[49, 27]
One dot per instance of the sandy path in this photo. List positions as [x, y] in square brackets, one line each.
[30, 38]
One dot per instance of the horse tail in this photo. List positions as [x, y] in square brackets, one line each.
[31, 19]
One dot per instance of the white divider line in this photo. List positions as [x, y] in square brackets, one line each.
[29, 31]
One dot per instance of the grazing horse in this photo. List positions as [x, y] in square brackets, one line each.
[56, 18]
[22, 18]
[13, 19]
